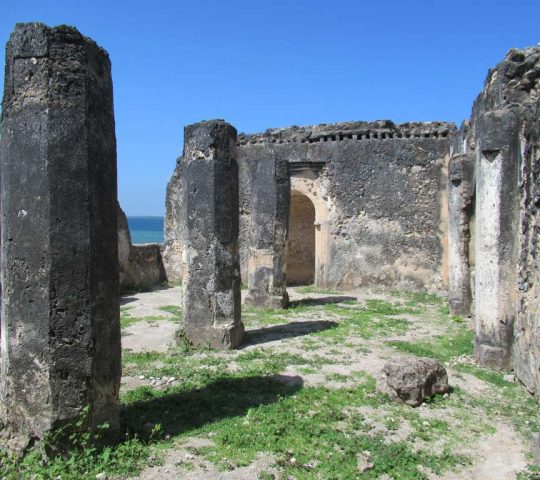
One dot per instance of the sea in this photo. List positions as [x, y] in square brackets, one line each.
[145, 229]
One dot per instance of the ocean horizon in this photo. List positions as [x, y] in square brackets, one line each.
[146, 229]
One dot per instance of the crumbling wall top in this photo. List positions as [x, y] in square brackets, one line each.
[380, 129]
[513, 82]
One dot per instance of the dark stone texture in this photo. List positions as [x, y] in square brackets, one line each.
[60, 313]
[266, 233]
[412, 380]
[526, 347]
[212, 280]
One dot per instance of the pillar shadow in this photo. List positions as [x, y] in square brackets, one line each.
[184, 411]
[127, 299]
[286, 330]
[314, 301]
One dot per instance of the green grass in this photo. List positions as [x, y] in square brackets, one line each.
[88, 455]
[311, 425]
[313, 289]
[509, 401]
[458, 341]
[175, 311]
[127, 320]
[377, 318]
[246, 406]
[419, 298]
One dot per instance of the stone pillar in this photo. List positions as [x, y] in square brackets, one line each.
[60, 340]
[270, 199]
[497, 219]
[460, 197]
[210, 190]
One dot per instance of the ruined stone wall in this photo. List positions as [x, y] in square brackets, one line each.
[379, 192]
[140, 266]
[526, 348]
[504, 142]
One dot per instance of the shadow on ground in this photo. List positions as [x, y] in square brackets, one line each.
[181, 412]
[127, 299]
[286, 330]
[313, 301]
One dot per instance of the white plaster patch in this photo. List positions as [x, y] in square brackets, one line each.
[488, 210]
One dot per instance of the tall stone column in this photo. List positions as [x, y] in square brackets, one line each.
[270, 200]
[210, 191]
[497, 223]
[60, 334]
[460, 197]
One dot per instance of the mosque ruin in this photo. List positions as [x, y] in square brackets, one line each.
[415, 206]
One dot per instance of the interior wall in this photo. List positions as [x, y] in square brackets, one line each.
[301, 241]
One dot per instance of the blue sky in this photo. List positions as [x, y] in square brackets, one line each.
[262, 64]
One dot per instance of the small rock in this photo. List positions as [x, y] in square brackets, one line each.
[363, 462]
[311, 464]
[101, 476]
[511, 378]
[141, 377]
[413, 379]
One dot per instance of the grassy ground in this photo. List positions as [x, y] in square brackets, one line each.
[303, 395]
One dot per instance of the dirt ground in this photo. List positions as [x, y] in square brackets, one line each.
[499, 455]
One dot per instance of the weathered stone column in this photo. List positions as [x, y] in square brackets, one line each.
[270, 199]
[497, 220]
[460, 197]
[60, 315]
[210, 190]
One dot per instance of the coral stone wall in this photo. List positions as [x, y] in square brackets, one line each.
[504, 140]
[379, 191]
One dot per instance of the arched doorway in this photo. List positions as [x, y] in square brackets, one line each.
[301, 242]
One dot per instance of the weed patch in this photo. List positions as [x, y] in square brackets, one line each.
[458, 341]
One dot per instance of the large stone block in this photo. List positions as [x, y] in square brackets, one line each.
[210, 249]
[412, 380]
[60, 314]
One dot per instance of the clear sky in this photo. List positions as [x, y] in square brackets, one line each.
[274, 63]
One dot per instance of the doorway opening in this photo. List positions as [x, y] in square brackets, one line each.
[301, 242]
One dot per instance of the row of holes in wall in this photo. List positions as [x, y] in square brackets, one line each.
[350, 136]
